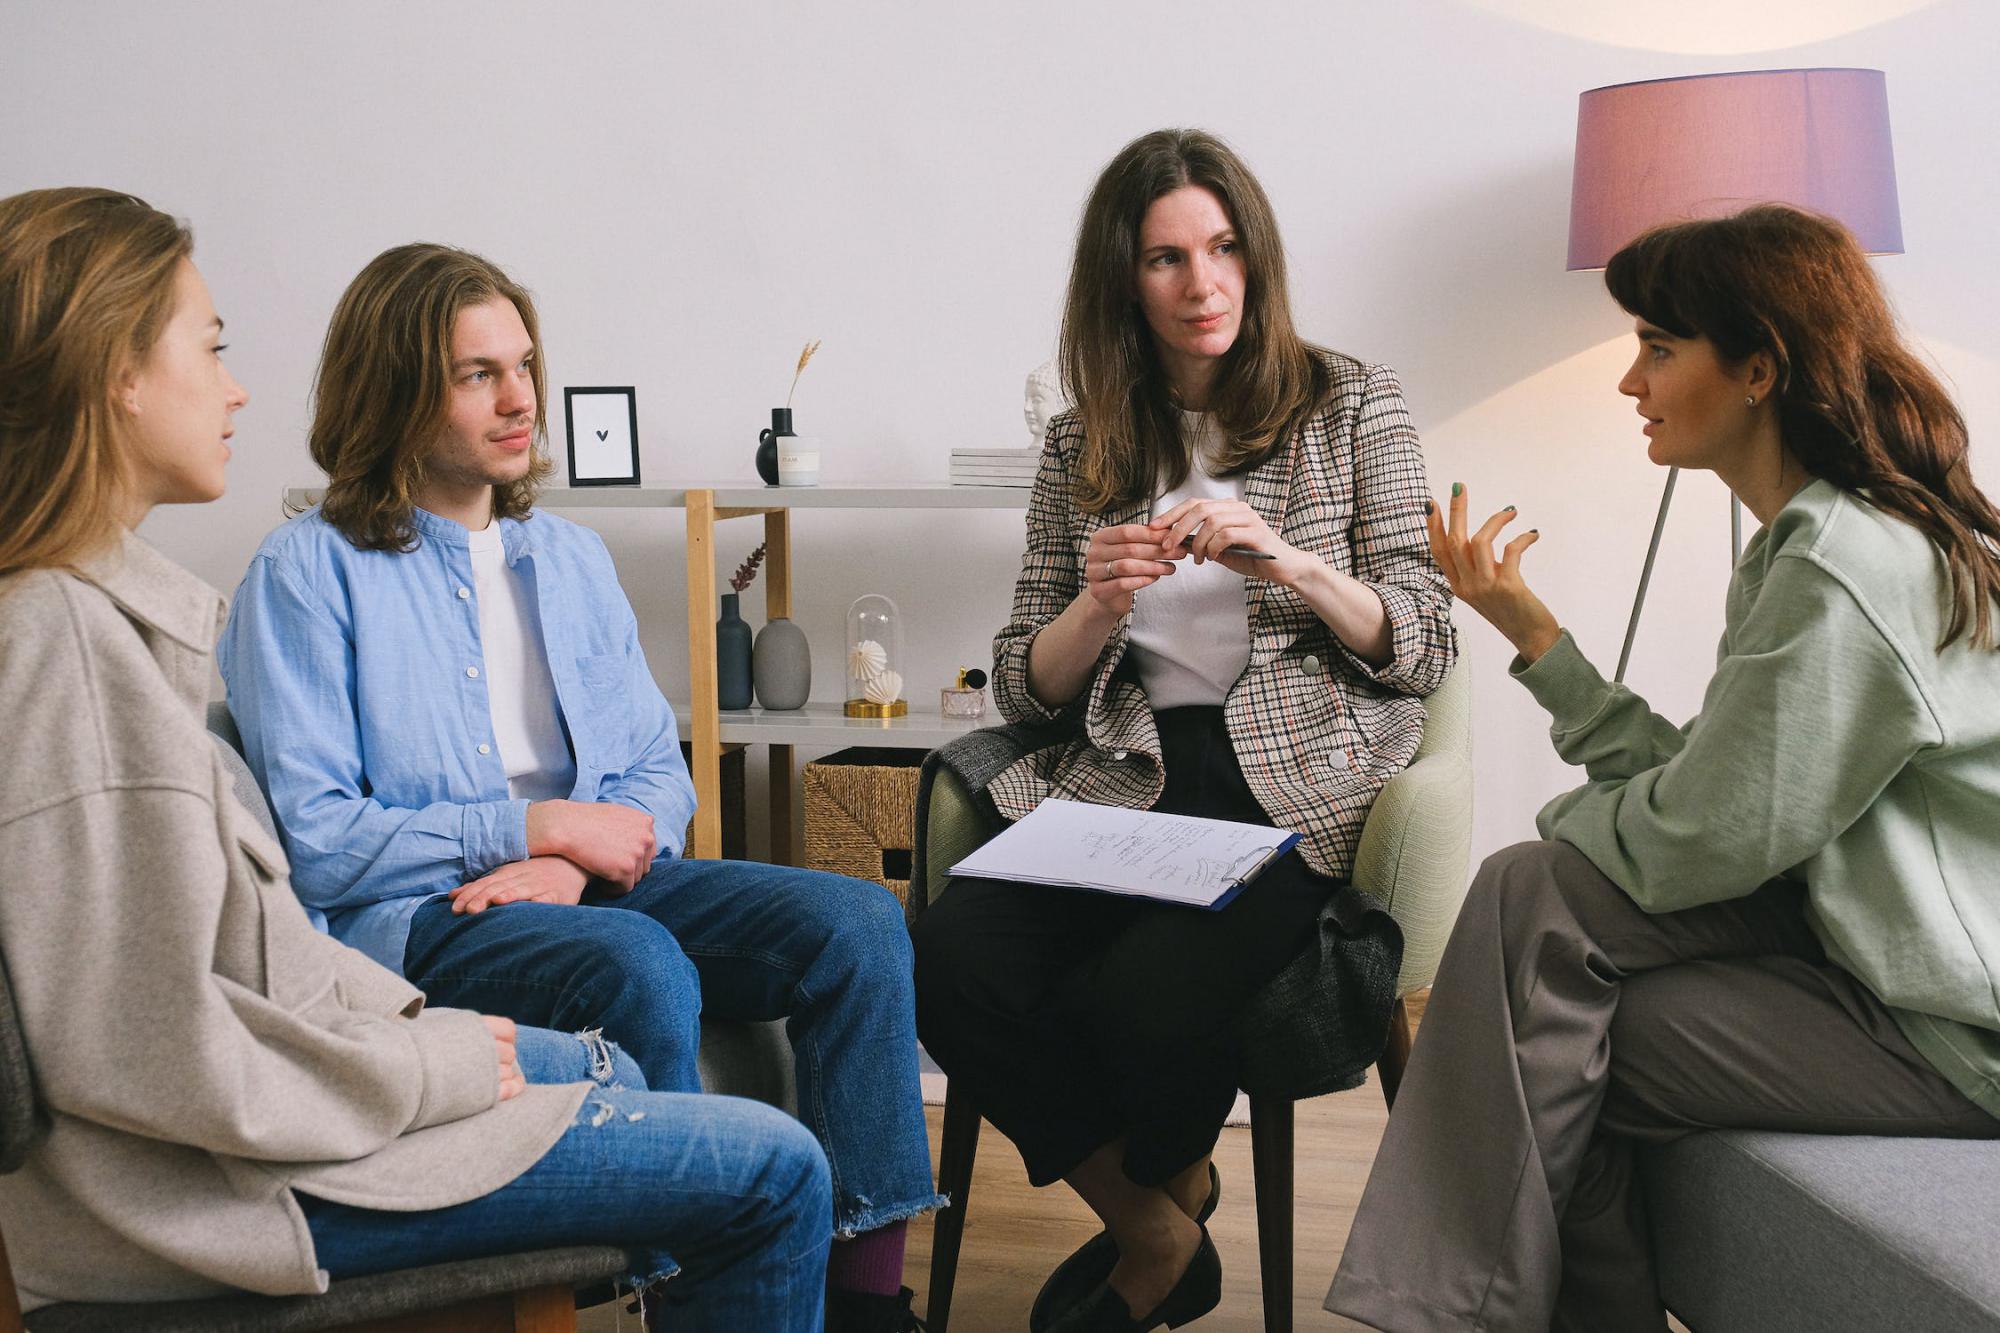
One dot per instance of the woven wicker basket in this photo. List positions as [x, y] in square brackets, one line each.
[861, 815]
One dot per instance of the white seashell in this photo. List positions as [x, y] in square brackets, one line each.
[884, 687]
[866, 658]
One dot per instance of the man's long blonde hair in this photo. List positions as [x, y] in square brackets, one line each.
[384, 388]
[86, 284]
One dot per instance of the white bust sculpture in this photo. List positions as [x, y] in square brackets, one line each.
[1044, 400]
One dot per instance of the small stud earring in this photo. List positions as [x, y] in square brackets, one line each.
[1750, 400]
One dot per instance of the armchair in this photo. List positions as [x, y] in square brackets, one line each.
[1412, 857]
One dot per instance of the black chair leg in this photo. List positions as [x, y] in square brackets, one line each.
[1271, 1168]
[960, 1146]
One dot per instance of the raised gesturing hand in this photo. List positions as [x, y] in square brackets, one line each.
[1492, 585]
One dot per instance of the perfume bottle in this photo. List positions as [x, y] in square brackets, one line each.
[967, 698]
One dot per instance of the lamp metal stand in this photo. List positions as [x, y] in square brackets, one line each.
[1646, 573]
[1653, 550]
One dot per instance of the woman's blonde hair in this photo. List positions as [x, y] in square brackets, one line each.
[86, 284]
[384, 388]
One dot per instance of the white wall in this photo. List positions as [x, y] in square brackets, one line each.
[693, 191]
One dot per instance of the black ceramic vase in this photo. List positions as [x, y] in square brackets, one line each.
[767, 444]
[732, 657]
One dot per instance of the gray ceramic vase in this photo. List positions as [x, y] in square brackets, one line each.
[781, 662]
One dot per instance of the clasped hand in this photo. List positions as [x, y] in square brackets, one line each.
[570, 843]
[1122, 559]
[1492, 585]
[613, 842]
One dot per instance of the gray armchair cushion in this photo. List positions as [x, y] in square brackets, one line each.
[384, 1295]
[1771, 1233]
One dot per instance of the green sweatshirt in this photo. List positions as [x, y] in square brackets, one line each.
[1836, 747]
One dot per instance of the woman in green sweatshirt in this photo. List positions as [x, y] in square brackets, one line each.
[1782, 915]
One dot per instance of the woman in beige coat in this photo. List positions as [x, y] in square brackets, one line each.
[234, 1100]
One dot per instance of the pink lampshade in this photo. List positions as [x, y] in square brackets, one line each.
[1672, 149]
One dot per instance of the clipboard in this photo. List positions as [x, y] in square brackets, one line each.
[1180, 859]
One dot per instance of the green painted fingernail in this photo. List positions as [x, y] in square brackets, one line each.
[1428, 506]
[1457, 489]
[1511, 509]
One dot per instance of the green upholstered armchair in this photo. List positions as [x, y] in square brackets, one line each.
[1412, 858]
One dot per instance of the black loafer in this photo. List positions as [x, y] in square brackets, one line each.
[1091, 1263]
[1198, 1291]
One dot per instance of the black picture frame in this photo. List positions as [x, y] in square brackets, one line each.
[597, 475]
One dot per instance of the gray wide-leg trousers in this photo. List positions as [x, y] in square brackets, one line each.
[1567, 1026]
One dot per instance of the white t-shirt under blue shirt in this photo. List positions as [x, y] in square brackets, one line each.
[1190, 634]
[527, 723]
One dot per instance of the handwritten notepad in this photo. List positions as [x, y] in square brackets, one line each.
[1174, 858]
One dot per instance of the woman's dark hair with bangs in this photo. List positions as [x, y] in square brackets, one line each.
[1267, 381]
[1855, 405]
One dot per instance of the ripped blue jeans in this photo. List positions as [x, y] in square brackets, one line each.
[728, 1198]
[730, 939]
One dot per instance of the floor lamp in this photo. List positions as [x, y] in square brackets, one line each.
[1711, 144]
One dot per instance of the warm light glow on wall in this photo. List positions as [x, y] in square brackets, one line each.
[1710, 27]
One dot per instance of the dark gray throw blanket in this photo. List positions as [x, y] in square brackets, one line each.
[1320, 1022]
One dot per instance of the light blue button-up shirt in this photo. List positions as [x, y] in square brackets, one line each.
[359, 684]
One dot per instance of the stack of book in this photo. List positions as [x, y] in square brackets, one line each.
[995, 467]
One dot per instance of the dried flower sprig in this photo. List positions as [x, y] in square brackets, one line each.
[804, 357]
[746, 573]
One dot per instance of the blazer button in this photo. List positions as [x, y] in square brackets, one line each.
[1311, 666]
[1120, 756]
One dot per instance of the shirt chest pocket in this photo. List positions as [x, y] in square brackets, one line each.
[596, 716]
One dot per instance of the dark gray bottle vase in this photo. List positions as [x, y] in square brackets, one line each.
[783, 666]
[767, 444]
[732, 657]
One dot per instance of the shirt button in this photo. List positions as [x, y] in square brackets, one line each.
[1310, 666]
[472, 671]
[1121, 755]
[486, 749]
[464, 593]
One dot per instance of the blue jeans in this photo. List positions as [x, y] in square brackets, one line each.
[730, 1194]
[741, 940]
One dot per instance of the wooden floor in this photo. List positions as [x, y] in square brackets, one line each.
[1015, 1234]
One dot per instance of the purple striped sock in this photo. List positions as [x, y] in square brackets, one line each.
[872, 1262]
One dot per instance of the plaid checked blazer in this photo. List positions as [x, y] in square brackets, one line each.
[1316, 729]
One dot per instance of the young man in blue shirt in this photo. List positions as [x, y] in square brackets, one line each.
[480, 785]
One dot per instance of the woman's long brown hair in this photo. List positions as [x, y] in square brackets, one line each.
[384, 385]
[1267, 381]
[86, 284]
[1855, 404]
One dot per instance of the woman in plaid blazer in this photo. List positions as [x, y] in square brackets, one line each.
[1227, 608]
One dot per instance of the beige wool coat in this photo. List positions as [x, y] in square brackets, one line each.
[200, 1050]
